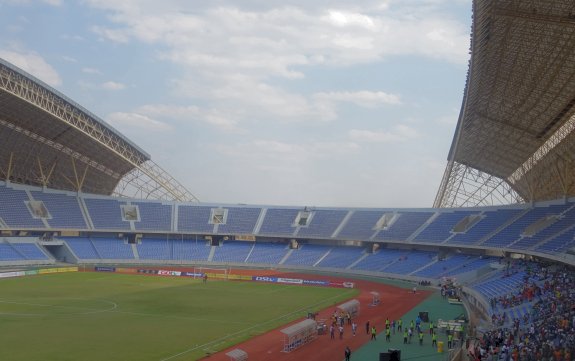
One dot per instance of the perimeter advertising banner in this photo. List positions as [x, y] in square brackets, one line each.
[12, 274]
[105, 269]
[169, 273]
[295, 281]
[316, 283]
[264, 279]
[148, 271]
[174, 273]
[57, 270]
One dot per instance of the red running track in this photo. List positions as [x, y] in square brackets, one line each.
[395, 302]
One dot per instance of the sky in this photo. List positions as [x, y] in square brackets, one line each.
[333, 103]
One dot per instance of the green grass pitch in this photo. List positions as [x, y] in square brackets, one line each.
[106, 316]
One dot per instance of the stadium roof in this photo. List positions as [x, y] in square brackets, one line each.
[49, 140]
[514, 140]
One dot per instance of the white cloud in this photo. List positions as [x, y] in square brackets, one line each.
[69, 59]
[126, 121]
[343, 18]
[53, 2]
[112, 85]
[111, 34]
[250, 98]
[212, 117]
[73, 37]
[362, 98]
[227, 36]
[285, 81]
[450, 120]
[232, 57]
[88, 70]
[399, 133]
[27, 2]
[271, 154]
[33, 64]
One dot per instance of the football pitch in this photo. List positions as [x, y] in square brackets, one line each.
[107, 317]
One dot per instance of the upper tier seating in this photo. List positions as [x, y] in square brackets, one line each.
[13, 210]
[154, 216]
[404, 226]
[106, 213]
[440, 229]
[512, 232]
[323, 224]
[490, 222]
[195, 219]
[360, 225]
[64, 210]
[240, 221]
[279, 222]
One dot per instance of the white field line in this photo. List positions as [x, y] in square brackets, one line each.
[89, 310]
[248, 329]
[112, 309]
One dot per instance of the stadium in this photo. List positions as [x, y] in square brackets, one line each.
[106, 256]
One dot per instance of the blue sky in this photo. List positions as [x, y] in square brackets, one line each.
[291, 102]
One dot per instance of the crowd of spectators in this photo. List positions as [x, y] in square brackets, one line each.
[548, 334]
[529, 290]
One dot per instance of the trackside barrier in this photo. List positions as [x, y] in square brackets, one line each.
[36, 272]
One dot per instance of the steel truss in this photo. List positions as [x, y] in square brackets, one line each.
[464, 186]
[150, 181]
[146, 180]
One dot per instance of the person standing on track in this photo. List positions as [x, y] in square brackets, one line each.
[347, 353]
